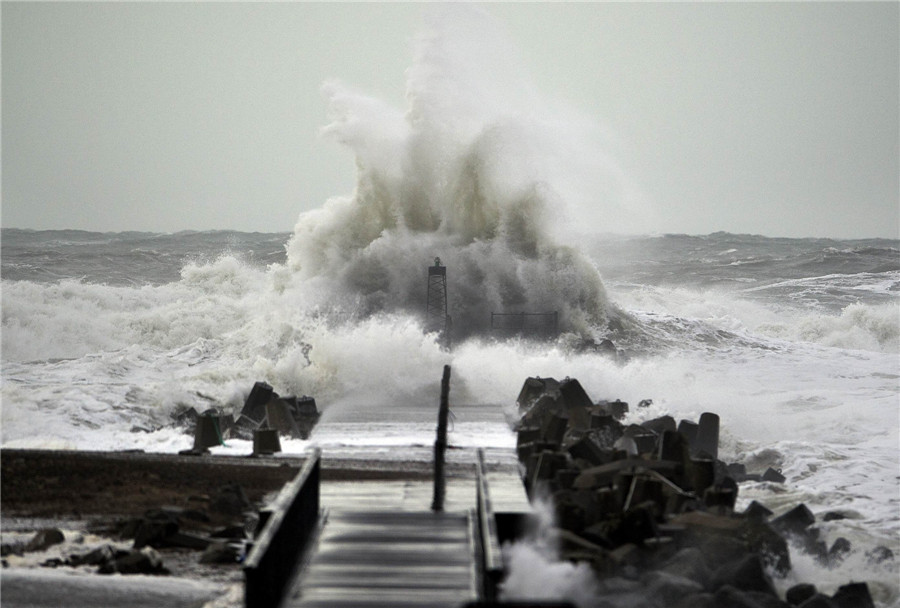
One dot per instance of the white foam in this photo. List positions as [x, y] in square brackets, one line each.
[487, 180]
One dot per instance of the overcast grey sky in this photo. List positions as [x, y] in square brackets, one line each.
[772, 118]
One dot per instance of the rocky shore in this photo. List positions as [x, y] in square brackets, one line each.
[177, 518]
[651, 508]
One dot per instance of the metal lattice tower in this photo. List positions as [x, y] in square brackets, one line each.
[436, 318]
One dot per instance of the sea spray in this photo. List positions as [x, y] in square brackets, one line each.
[478, 172]
[746, 326]
[534, 570]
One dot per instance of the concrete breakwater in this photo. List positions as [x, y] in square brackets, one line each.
[651, 508]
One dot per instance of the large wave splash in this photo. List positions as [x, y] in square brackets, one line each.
[477, 171]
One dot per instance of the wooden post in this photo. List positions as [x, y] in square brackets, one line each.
[440, 444]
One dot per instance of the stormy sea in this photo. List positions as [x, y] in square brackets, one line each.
[794, 342]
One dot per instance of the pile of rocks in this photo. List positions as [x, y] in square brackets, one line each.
[652, 505]
[107, 558]
[219, 527]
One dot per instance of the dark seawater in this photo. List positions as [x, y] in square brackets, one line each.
[126, 258]
[748, 263]
[825, 273]
[793, 342]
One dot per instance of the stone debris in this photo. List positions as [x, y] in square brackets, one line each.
[653, 503]
[44, 539]
[159, 530]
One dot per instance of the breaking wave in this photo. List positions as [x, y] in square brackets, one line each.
[478, 172]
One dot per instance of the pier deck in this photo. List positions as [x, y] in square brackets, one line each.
[390, 558]
[380, 544]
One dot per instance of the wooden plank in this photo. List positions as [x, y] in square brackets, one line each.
[390, 558]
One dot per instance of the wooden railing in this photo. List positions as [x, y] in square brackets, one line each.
[291, 520]
[492, 556]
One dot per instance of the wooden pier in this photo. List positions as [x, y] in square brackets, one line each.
[378, 543]
[381, 559]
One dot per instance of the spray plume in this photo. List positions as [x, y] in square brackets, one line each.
[476, 171]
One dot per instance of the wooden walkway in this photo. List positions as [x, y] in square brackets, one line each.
[376, 559]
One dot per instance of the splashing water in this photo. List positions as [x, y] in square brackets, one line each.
[478, 172]
[796, 353]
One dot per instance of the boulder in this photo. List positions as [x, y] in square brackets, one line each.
[737, 471]
[564, 478]
[573, 395]
[528, 434]
[666, 588]
[689, 563]
[756, 510]
[658, 425]
[223, 552]
[601, 475]
[798, 594]
[12, 548]
[879, 555]
[230, 500]
[700, 474]
[838, 551]
[103, 554]
[587, 449]
[746, 574]
[696, 600]
[795, 521]
[44, 539]
[548, 463]
[235, 531]
[570, 515]
[689, 430]
[627, 446]
[554, 428]
[154, 528]
[186, 540]
[533, 388]
[605, 430]
[819, 601]
[255, 404]
[280, 416]
[773, 476]
[186, 418]
[306, 414]
[730, 597]
[721, 496]
[617, 409]
[833, 516]
[544, 407]
[853, 595]
[765, 600]
[136, 561]
[764, 540]
[635, 526]
[707, 441]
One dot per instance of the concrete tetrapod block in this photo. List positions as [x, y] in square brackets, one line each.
[707, 436]
[265, 441]
[279, 416]
[255, 404]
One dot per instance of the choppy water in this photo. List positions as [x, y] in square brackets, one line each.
[795, 343]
